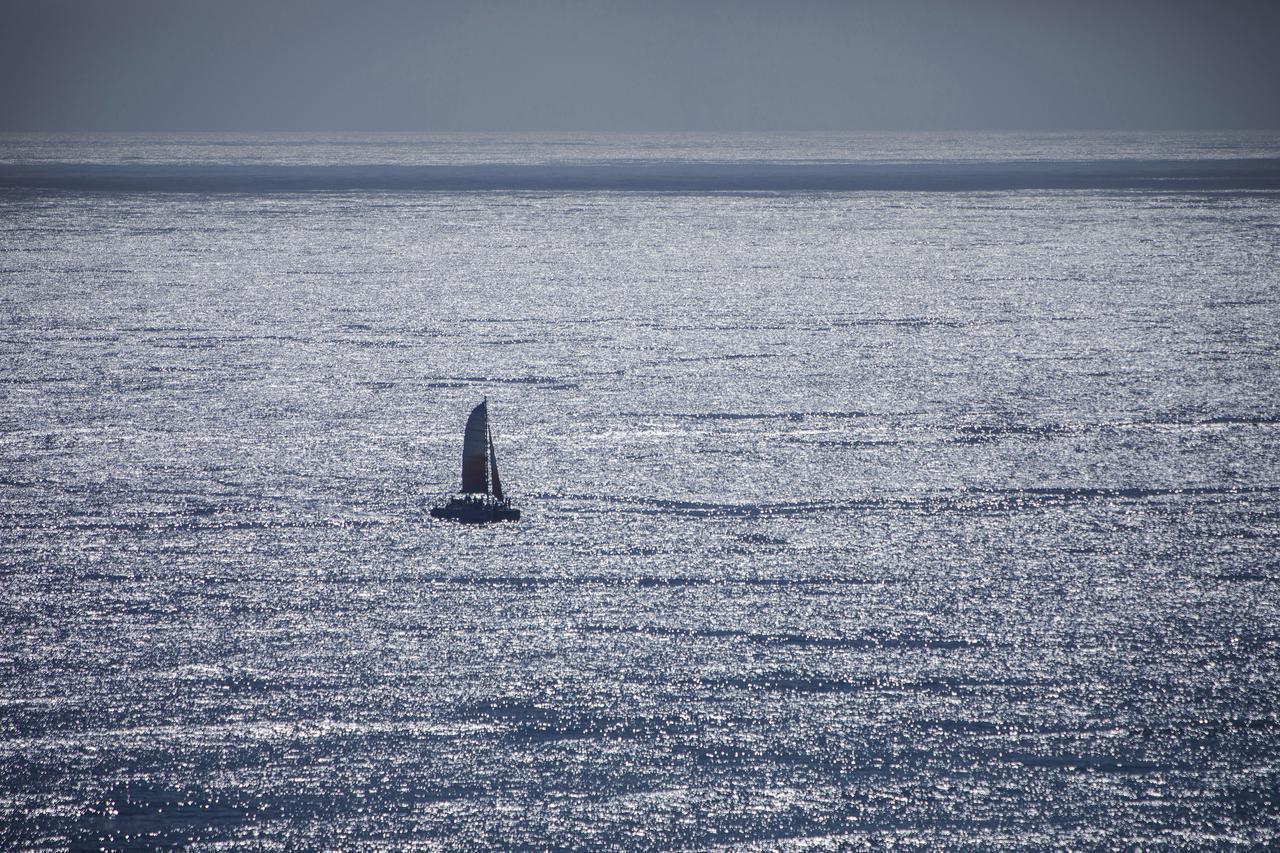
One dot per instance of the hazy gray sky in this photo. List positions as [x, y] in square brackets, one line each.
[577, 65]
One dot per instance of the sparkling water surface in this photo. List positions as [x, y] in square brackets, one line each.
[880, 518]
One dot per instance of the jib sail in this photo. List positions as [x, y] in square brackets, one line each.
[494, 482]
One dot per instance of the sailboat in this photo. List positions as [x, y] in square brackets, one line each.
[481, 499]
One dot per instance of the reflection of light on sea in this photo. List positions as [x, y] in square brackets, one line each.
[941, 518]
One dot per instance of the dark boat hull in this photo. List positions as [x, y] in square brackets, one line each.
[469, 512]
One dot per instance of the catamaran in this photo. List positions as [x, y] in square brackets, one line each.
[481, 499]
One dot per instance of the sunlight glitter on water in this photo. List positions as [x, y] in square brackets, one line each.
[851, 518]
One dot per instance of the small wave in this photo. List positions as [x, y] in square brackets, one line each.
[735, 416]
[1245, 577]
[808, 641]
[789, 681]
[1088, 763]
[549, 382]
[533, 721]
[623, 581]
[965, 500]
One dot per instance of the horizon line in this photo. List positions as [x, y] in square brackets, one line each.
[588, 131]
[1197, 174]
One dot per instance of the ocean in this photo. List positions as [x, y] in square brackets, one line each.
[878, 490]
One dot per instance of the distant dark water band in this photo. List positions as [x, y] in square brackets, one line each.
[952, 176]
